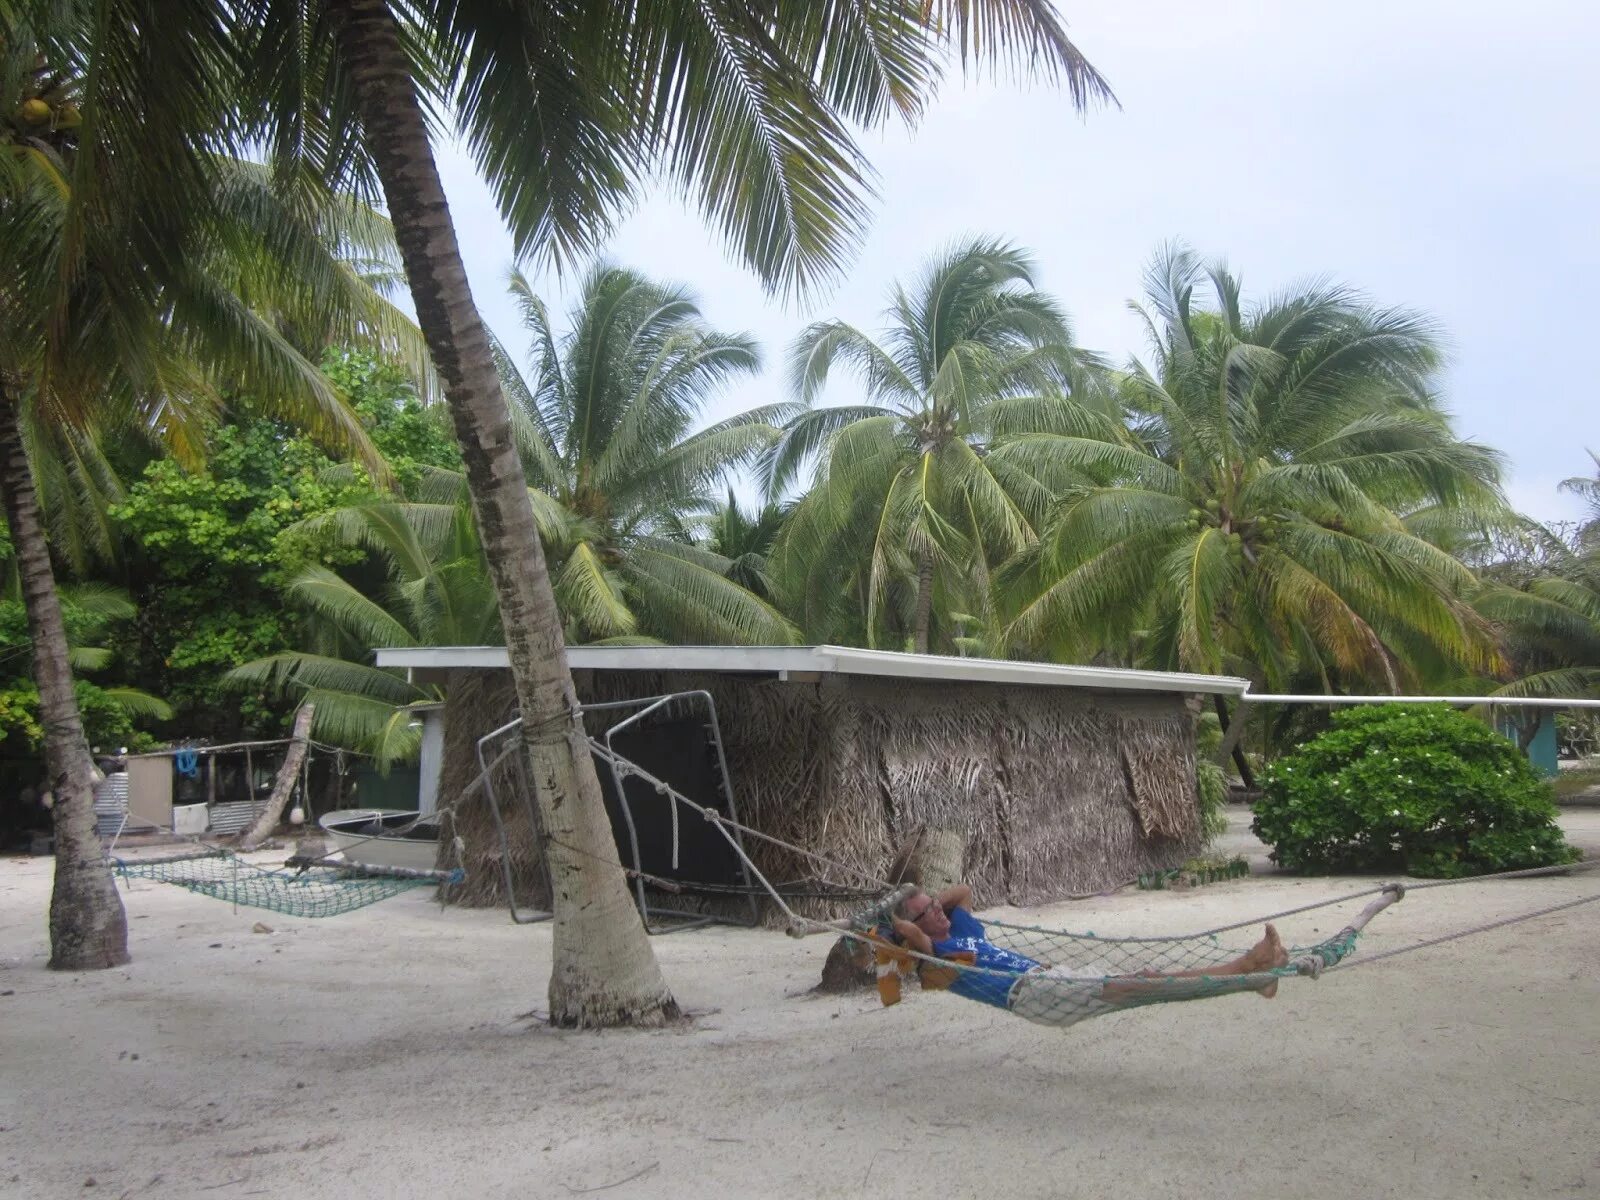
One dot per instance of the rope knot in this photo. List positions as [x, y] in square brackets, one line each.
[1309, 965]
[1396, 889]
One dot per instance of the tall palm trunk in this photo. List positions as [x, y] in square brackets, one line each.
[88, 929]
[924, 614]
[604, 971]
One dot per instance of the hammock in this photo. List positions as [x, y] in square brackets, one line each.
[1080, 975]
[303, 888]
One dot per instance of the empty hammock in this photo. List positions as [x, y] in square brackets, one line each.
[309, 888]
[1080, 975]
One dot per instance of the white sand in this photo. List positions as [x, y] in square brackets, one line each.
[380, 1054]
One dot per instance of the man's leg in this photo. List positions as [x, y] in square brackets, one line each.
[1266, 954]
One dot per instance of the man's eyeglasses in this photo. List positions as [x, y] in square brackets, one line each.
[932, 906]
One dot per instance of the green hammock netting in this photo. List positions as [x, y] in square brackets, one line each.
[315, 891]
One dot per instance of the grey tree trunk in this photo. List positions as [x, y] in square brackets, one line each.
[924, 617]
[283, 785]
[88, 928]
[603, 971]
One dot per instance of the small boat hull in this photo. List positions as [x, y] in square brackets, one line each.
[384, 837]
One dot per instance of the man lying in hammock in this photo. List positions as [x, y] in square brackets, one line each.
[944, 927]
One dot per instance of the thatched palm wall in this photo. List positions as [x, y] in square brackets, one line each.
[1057, 790]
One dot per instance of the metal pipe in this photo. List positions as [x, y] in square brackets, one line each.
[1493, 701]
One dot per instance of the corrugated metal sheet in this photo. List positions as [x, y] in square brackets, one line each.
[235, 816]
[110, 803]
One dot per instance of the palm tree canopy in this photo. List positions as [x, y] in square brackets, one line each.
[1256, 522]
[573, 109]
[606, 424]
[921, 479]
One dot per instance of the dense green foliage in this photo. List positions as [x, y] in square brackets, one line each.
[607, 420]
[212, 550]
[998, 477]
[1420, 789]
[98, 618]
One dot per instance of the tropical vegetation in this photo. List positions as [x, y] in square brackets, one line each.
[1251, 515]
[605, 421]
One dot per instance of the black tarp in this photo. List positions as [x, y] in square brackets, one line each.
[680, 752]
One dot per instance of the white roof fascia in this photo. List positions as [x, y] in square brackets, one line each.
[841, 660]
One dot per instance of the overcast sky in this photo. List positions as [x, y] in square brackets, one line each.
[1439, 155]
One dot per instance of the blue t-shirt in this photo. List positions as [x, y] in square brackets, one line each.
[966, 936]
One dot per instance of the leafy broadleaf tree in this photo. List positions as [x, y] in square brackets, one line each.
[210, 550]
[1256, 520]
[605, 419]
[918, 493]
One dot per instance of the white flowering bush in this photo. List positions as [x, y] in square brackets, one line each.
[1417, 788]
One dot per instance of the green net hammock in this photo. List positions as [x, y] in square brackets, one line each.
[1076, 976]
[319, 890]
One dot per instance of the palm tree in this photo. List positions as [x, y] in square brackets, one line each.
[744, 540]
[918, 492]
[120, 305]
[604, 426]
[1255, 518]
[571, 110]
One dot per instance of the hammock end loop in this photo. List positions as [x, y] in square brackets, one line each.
[1309, 965]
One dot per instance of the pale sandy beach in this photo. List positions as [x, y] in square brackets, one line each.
[382, 1054]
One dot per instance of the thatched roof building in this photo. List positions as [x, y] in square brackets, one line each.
[1062, 779]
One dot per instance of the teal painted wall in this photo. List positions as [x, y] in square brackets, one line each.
[1542, 750]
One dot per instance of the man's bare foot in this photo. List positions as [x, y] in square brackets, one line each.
[1269, 952]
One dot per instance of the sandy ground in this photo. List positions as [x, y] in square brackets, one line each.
[381, 1054]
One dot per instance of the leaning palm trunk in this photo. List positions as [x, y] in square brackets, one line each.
[88, 929]
[603, 970]
[283, 785]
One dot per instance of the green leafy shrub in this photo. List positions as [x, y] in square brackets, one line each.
[1415, 788]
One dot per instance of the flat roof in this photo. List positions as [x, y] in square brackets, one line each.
[787, 661]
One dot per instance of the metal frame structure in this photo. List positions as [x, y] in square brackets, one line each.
[621, 768]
